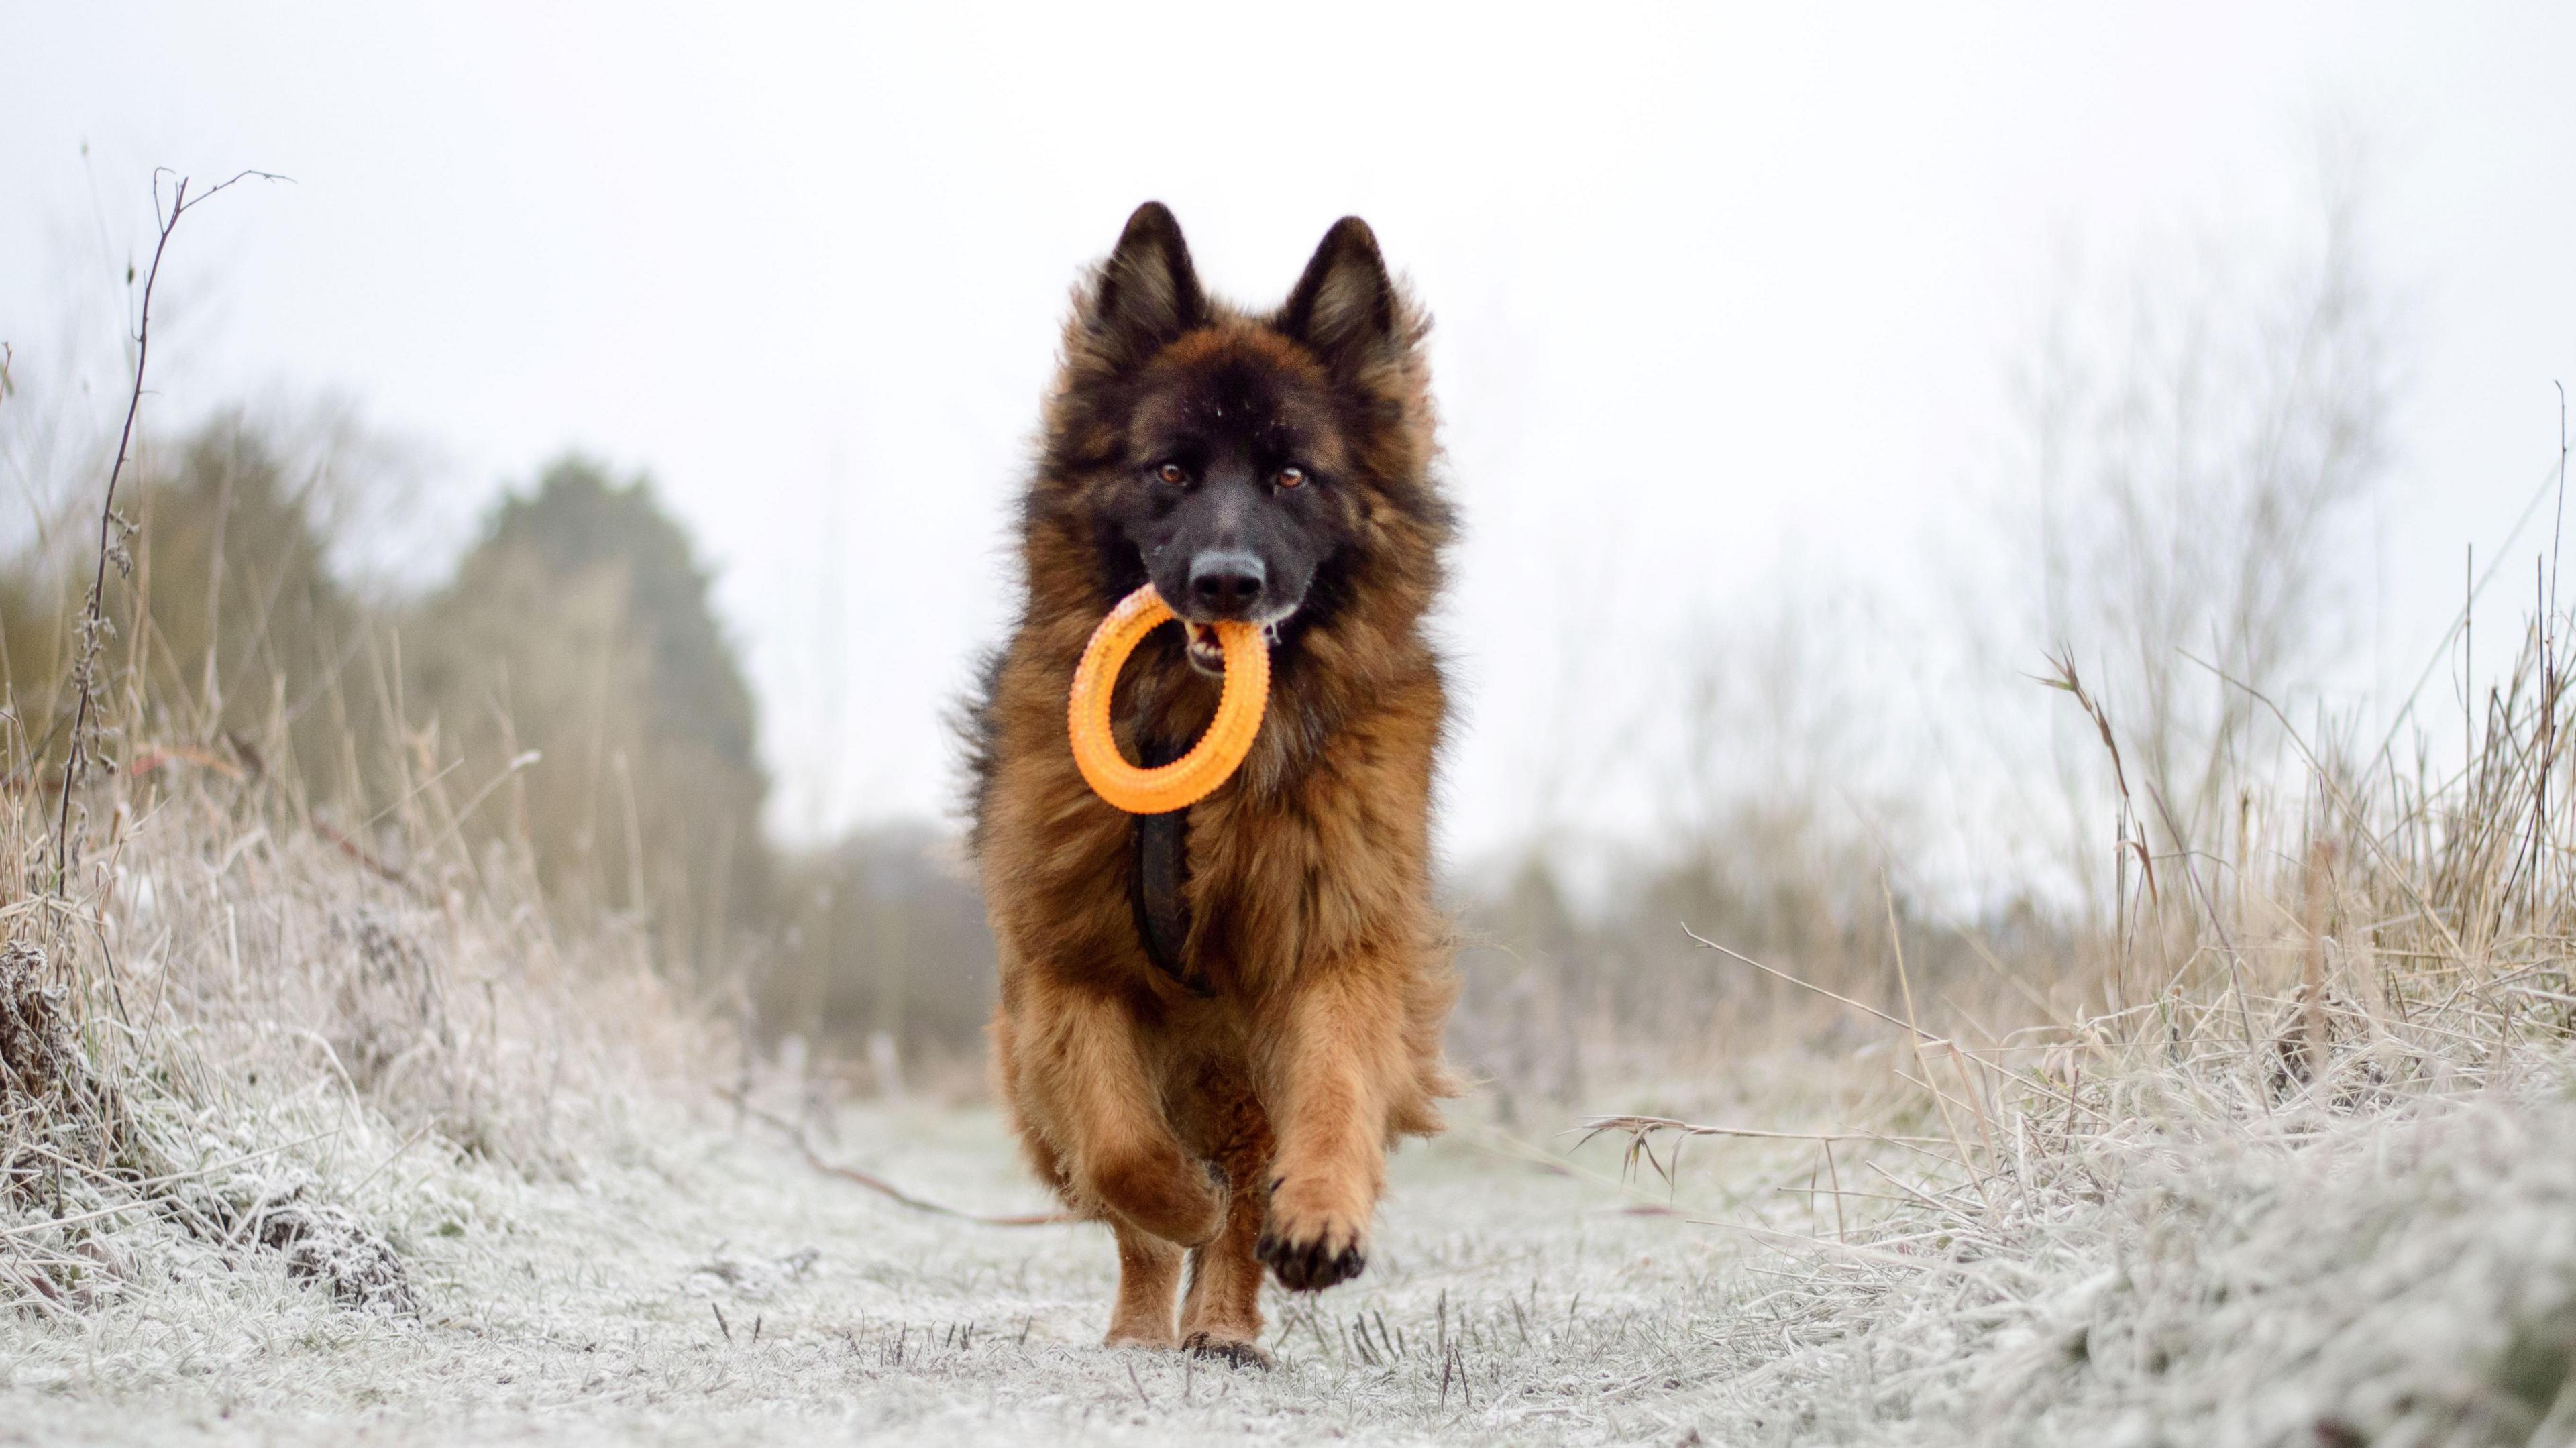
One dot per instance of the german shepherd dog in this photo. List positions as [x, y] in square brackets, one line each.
[1215, 1023]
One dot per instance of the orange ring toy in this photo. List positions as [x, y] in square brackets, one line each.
[1186, 780]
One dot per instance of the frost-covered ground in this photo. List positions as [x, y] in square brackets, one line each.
[2408, 1277]
[715, 1288]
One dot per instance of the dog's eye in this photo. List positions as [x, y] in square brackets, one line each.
[1172, 473]
[1290, 477]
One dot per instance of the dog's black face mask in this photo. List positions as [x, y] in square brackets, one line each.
[1232, 482]
[1232, 517]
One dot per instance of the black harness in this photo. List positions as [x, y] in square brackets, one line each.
[1161, 870]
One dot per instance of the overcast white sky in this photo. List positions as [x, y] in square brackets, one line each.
[1723, 293]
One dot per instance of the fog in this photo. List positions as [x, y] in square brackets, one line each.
[1729, 303]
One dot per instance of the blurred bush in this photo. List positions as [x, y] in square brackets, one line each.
[574, 664]
[234, 628]
[566, 691]
[2181, 517]
[884, 932]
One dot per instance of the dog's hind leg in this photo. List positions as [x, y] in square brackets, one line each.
[1082, 1065]
[1221, 1315]
[1149, 1276]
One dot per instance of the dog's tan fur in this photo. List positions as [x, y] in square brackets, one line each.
[1250, 1122]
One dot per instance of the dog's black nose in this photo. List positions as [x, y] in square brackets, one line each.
[1226, 584]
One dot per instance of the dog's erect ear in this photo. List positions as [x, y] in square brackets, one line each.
[1149, 293]
[1344, 307]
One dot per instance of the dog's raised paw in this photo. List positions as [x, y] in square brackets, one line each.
[1232, 1353]
[1312, 1259]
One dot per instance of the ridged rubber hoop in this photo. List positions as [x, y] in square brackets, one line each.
[1186, 780]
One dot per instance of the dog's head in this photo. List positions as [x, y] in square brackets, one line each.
[1241, 463]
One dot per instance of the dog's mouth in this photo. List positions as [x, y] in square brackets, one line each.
[1206, 654]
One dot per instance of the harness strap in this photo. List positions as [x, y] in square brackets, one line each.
[1161, 869]
[1162, 915]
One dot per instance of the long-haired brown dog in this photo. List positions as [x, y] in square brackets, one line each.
[1215, 1023]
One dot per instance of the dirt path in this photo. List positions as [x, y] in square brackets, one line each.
[715, 1288]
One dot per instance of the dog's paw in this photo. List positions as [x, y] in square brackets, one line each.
[1232, 1352]
[1147, 1338]
[1310, 1249]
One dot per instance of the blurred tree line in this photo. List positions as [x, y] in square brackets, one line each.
[565, 699]
[2194, 460]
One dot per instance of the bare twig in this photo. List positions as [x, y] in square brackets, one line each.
[93, 621]
[1599, 1124]
[878, 1184]
[1806, 985]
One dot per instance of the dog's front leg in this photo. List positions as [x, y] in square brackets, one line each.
[1334, 1064]
[1085, 1070]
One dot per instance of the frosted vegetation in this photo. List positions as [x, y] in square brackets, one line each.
[356, 1161]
